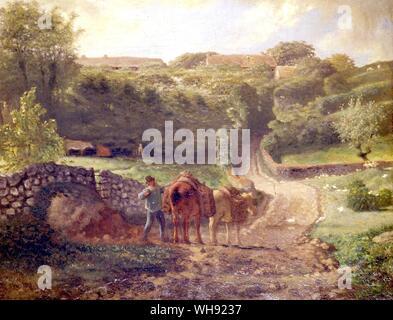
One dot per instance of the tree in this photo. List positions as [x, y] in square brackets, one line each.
[289, 53]
[40, 57]
[360, 124]
[28, 139]
[342, 62]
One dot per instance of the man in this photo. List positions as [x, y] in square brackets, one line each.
[153, 203]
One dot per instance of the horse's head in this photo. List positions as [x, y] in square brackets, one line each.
[250, 203]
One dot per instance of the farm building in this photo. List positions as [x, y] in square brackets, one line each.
[103, 151]
[79, 148]
[284, 72]
[244, 61]
[119, 63]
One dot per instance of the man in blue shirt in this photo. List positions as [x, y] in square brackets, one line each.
[153, 203]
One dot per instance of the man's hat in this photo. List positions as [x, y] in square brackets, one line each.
[149, 179]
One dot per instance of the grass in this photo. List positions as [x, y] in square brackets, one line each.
[343, 153]
[214, 176]
[352, 232]
[119, 270]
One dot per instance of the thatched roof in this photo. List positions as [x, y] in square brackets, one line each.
[77, 145]
[244, 61]
[119, 62]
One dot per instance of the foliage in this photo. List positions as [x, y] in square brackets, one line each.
[39, 57]
[29, 139]
[385, 198]
[342, 62]
[314, 67]
[289, 53]
[335, 84]
[360, 124]
[360, 197]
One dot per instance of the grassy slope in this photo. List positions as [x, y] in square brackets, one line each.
[352, 232]
[383, 150]
[213, 176]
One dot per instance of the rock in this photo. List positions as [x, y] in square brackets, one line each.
[10, 212]
[324, 246]
[31, 171]
[29, 193]
[36, 182]
[3, 183]
[4, 202]
[315, 241]
[384, 237]
[14, 192]
[14, 179]
[3, 192]
[16, 205]
[27, 183]
[30, 202]
[26, 210]
[203, 250]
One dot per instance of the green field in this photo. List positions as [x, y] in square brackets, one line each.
[383, 150]
[352, 232]
[212, 175]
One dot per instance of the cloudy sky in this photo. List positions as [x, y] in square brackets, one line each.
[168, 28]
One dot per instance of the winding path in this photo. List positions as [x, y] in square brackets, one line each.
[276, 261]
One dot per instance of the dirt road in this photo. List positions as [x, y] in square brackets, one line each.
[276, 261]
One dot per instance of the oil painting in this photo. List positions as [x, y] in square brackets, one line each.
[196, 150]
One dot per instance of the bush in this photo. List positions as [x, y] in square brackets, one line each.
[32, 242]
[360, 197]
[385, 198]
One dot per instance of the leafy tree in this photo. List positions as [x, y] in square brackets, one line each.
[314, 67]
[359, 124]
[40, 57]
[28, 139]
[342, 62]
[289, 53]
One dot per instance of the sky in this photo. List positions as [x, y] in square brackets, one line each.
[168, 28]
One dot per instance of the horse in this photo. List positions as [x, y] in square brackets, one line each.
[226, 213]
[185, 204]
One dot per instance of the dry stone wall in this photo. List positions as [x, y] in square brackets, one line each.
[309, 171]
[18, 191]
[121, 194]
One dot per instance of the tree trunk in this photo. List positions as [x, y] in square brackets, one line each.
[23, 69]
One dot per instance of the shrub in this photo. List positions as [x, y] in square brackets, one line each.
[360, 198]
[385, 198]
[31, 241]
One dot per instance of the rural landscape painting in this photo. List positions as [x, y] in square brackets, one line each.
[196, 150]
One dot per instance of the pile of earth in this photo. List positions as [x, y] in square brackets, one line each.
[79, 214]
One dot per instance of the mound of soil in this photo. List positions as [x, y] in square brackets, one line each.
[88, 219]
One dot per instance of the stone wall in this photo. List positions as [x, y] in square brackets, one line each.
[121, 194]
[18, 191]
[308, 171]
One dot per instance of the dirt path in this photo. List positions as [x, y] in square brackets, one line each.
[276, 260]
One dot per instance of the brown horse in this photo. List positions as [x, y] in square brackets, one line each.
[184, 201]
